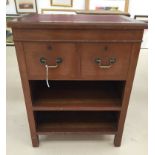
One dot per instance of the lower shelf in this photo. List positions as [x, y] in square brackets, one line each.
[69, 121]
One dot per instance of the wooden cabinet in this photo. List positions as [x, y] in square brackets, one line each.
[88, 61]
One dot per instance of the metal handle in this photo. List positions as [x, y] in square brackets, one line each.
[58, 61]
[43, 61]
[109, 65]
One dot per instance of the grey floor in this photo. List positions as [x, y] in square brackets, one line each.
[18, 137]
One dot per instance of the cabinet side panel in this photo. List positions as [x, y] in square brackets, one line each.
[127, 92]
[26, 91]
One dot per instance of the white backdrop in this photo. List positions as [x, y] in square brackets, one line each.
[138, 7]
[135, 6]
[11, 9]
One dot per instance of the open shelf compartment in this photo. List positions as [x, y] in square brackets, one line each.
[77, 95]
[75, 121]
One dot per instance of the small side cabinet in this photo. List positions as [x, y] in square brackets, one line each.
[77, 71]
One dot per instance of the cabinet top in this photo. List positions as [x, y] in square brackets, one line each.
[76, 21]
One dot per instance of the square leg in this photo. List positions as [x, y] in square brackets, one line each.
[35, 141]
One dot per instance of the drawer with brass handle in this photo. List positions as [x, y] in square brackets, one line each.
[61, 59]
[90, 61]
[105, 61]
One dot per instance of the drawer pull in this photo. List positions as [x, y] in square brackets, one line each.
[109, 65]
[43, 61]
[58, 60]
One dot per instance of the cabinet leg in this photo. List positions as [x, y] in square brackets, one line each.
[35, 141]
[118, 140]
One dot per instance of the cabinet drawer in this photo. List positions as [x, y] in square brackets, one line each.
[37, 55]
[105, 61]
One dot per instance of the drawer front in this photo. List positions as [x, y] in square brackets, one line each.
[62, 56]
[105, 61]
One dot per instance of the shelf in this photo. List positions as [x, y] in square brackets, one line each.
[77, 95]
[69, 121]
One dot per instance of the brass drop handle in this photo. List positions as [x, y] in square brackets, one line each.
[58, 61]
[43, 61]
[98, 61]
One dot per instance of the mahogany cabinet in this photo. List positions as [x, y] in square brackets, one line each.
[77, 71]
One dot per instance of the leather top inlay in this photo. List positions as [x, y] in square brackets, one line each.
[76, 20]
